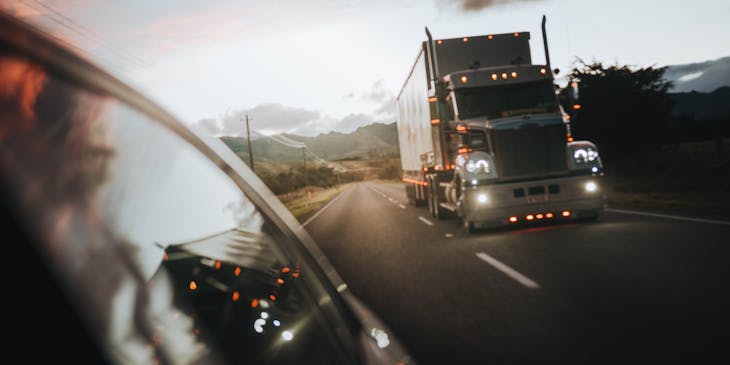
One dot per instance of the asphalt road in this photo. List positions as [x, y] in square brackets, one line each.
[626, 289]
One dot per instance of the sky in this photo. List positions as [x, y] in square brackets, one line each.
[309, 67]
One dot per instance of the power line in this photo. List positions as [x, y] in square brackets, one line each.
[123, 60]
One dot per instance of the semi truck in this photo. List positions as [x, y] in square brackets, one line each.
[483, 137]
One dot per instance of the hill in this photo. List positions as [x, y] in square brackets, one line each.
[701, 76]
[374, 140]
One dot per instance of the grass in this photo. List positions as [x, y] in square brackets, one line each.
[305, 202]
[691, 197]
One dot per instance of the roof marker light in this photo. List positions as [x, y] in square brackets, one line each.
[566, 213]
[432, 99]
[439, 41]
[543, 71]
[504, 76]
[435, 121]
[490, 37]
[514, 74]
[465, 39]
[517, 34]
[548, 215]
[539, 216]
[464, 79]
[513, 219]
[495, 77]
[530, 217]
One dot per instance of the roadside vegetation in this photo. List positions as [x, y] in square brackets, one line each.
[656, 155]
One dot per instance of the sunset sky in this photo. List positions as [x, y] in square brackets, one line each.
[308, 67]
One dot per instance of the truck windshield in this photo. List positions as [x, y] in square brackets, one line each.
[507, 100]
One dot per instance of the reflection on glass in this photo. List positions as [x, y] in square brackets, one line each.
[166, 257]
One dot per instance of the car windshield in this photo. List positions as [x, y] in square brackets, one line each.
[503, 101]
[321, 182]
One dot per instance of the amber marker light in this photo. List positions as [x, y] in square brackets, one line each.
[566, 213]
[514, 74]
[439, 41]
[235, 296]
[490, 37]
[432, 99]
[254, 303]
[517, 34]
[193, 285]
[285, 269]
[548, 215]
[435, 121]
[513, 219]
[465, 39]
[272, 297]
[295, 274]
[495, 77]
[280, 281]
[464, 79]
[530, 217]
[504, 76]
[539, 216]
[218, 265]
[543, 71]
[576, 106]
[237, 271]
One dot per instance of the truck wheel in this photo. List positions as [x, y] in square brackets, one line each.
[468, 226]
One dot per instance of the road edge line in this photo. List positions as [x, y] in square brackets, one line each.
[668, 216]
[324, 207]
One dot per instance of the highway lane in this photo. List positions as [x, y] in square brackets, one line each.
[628, 288]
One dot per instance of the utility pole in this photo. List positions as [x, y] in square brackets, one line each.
[248, 137]
[304, 164]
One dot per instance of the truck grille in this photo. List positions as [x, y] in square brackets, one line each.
[532, 151]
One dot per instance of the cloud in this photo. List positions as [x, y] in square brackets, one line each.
[352, 121]
[386, 111]
[378, 93]
[268, 118]
[476, 5]
[385, 100]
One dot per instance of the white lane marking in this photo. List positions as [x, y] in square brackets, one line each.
[402, 206]
[424, 220]
[522, 279]
[323, 208]
[667, 216]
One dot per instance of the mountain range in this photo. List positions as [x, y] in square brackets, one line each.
[703, 77]
[373, 140]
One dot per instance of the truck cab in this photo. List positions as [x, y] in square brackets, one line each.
[482, 135]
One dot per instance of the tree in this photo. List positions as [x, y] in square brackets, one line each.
[623, 109]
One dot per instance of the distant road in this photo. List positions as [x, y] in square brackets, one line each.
[626, 289]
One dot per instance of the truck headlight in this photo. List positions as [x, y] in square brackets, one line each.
[475, 166]
[583, 155]
[591, 186]
[482, 198]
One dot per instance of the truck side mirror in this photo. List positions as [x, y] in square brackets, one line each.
[574, 91]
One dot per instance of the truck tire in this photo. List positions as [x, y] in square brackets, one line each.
[468, 226]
